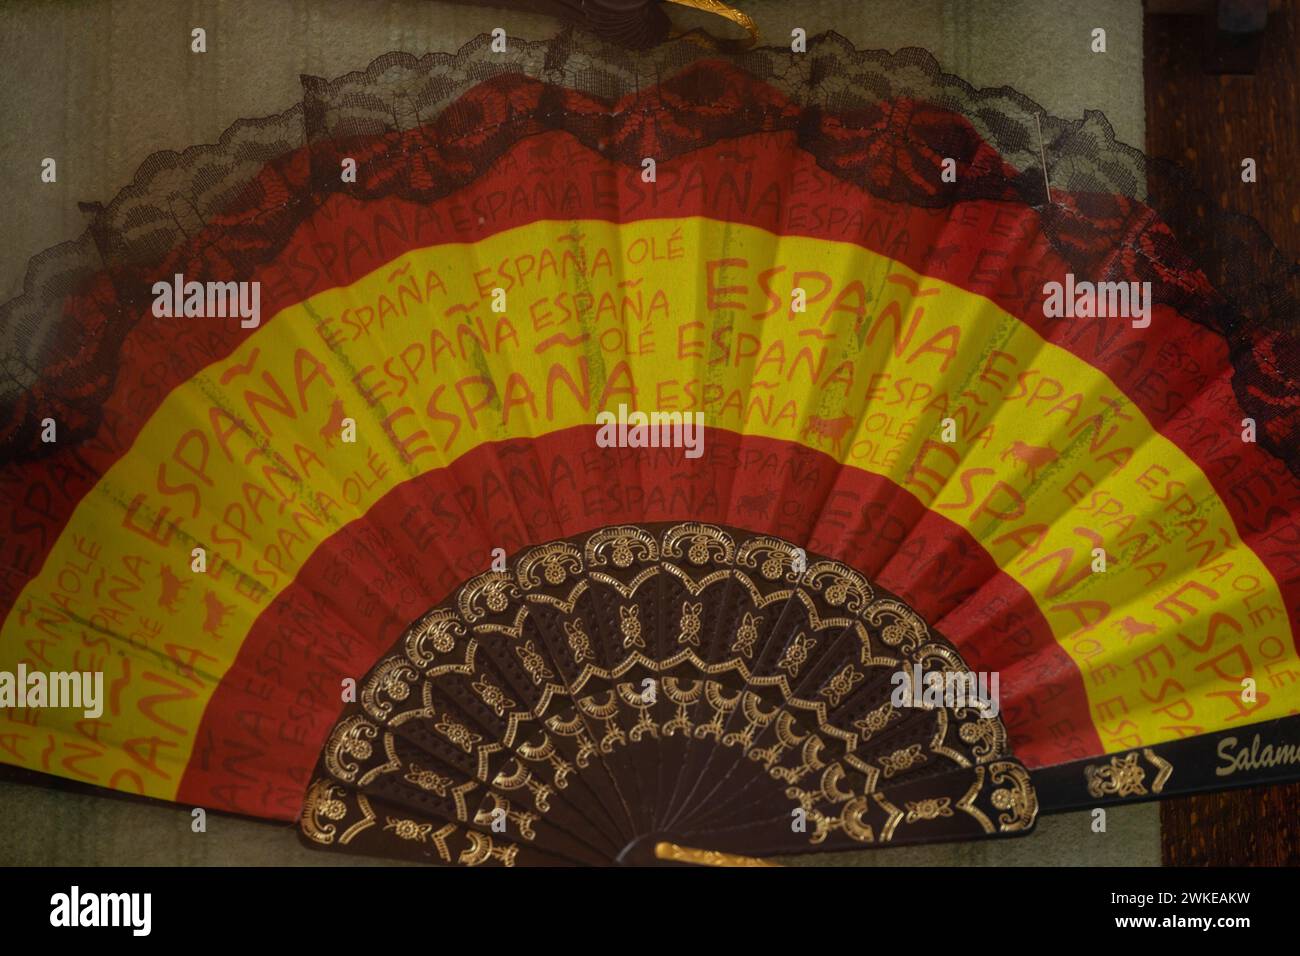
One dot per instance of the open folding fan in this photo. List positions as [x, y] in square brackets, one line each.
[403, 556]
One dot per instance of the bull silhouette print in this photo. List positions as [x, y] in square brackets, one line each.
[833, 428]
[333, 428]
[757, 505]
[1033, 456]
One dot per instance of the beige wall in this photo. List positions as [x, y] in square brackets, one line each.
[100, 85]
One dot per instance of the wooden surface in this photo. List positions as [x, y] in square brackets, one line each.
[1209, 124]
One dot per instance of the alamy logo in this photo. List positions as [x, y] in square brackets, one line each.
[211, 300]
[655, 430]
[103, 909]
[81, 690]
[951, 689]
[1087, 300]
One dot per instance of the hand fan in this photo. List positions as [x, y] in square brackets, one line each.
[394, 547]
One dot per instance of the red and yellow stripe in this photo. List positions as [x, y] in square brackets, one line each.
[240, 457]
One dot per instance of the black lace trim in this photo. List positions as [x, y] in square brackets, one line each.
[1116, 214]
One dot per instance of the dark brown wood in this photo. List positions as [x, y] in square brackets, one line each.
[1234, 36]
[1210, 123]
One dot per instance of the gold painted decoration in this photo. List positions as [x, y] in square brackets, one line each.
[791, 740]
